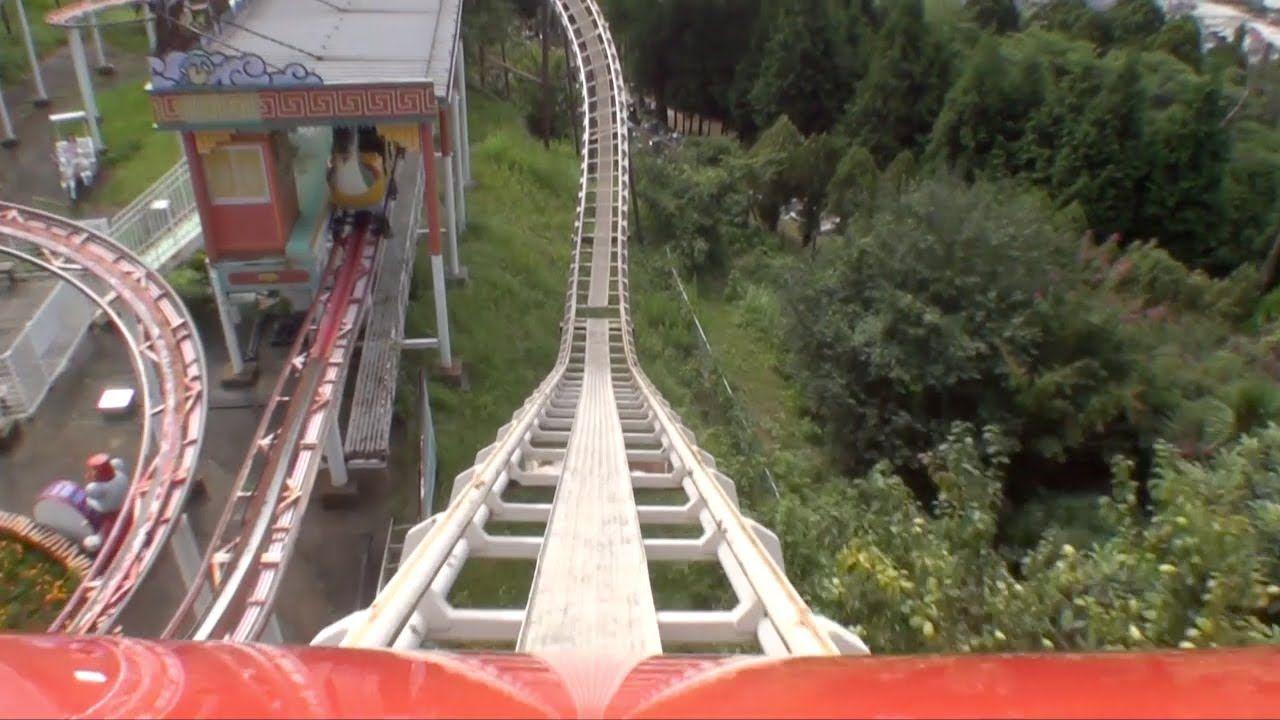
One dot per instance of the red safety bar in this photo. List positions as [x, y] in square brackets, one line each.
[70, 676]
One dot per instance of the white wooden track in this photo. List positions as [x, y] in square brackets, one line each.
[596, 431]
[169, 363]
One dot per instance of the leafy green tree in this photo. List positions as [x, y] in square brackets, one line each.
[797, 76]
[1180, 38]
[1197, 568]
[1102, 156]
[1134, 21]
[905, 86]
[897, 176]
[812, 168]
[1073, 18]
[1184, 203]
[980, 122]
[694, 201]
[771, 170]
[925, 320]
[852, 190]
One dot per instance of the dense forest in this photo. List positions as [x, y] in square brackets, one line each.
[1019, 268]
[1038, 341]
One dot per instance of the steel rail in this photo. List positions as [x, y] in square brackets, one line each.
[167, 347]
[271, 502]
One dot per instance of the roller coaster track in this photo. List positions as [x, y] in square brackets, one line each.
[254, 538]
[596, 430]
[168, 361]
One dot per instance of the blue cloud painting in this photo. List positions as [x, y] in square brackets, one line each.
[202, 68]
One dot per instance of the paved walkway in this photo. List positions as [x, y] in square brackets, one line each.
[28, 175]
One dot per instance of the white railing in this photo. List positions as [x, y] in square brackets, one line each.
[161, 226]
[43, 348]
[157, 215]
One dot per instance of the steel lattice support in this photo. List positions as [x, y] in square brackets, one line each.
[168, 360]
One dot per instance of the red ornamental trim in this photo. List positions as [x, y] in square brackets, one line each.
[321, 103]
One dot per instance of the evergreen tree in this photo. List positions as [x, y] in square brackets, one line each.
[1074, 18]
[997, 16]
[1101, 159]
[896, 104]
[1135, 21]
[975, 126]
[797, 76]
[852, 189]
[771, 170]
[1181, 39]
[1184, 206]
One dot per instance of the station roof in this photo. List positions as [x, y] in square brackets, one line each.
[351, 42]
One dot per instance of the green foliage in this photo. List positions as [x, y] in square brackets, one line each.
[969, 303]
[984, 114]
[772, 170]
[853, 184]
[798, 77]
[1100, 159]
[1184, 206]
[1181, 39]
[694, 202]
[1197, 568]
[908, 78]
[1075, 19]
[191, 282]
[998, 16]
[1135, 21]
[919, 323]
[33, 587]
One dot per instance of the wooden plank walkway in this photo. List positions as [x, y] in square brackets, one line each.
[368, 436]
[591, 590]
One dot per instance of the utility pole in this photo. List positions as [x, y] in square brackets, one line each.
[546, 72]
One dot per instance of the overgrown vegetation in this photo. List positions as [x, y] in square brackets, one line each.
[33, 587]
[1027, 425]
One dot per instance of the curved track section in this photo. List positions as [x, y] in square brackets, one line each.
[168, 360]
[246, 559]
[597, 433]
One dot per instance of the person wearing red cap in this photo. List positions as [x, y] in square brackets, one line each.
[106, 490]
[108, 484]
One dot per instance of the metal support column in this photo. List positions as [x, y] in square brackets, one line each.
[334, 456]
[444, 160]
[7, 137]
[42, 96]
[432, 200]
[149, 24]
[188, 556]
[455, 156]
[227, 318]
[104, 67]
[464, 131]
[81, 64]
